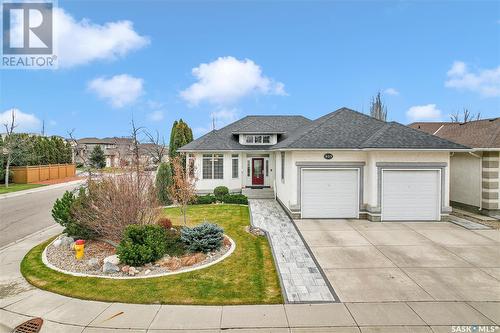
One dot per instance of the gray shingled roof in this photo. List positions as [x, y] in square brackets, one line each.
[341, 129]
[224, 139]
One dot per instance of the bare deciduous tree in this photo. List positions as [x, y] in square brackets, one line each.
[82, 154]
[158, 150]
[378, 109]
[183, 188]
[466, 116]
[9, 144]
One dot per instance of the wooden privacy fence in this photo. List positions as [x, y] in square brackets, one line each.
[38, 173]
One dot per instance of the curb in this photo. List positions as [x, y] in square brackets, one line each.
[40, 189]
[36, 233]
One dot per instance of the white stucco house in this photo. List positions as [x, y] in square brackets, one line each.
[474, 175]
[342, 165]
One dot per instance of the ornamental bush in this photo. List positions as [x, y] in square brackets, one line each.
[142, 244]
[235, 199]
[220, 191]
[205, 237]
[205, 199]
[61, 212]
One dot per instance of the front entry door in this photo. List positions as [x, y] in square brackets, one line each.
[257, 171]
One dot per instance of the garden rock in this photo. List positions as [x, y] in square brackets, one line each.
[147, 272]
[57, 243]
[125, 268]
[66, 241]
[132, 271]
[109, 268]
[171, 264]
[93, 263]
[112, 259]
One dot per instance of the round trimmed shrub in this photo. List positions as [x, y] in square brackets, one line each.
[220, 191]
[142, 244]
[205, 237]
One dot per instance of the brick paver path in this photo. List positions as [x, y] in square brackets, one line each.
[300, 276]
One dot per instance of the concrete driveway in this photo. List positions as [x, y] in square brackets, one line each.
[406, 262]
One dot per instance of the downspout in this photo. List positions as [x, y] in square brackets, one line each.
[480, 179]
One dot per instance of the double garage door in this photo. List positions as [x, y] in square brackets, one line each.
[405, 194]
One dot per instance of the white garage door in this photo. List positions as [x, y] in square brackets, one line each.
[410, 195]
[330, 193]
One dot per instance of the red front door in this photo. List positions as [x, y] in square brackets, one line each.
[258, 171]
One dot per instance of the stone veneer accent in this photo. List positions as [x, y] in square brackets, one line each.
[490, 180]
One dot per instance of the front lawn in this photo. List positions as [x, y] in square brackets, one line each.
[248, 276]
[17, 187]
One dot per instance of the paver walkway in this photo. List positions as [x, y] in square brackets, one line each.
[301, 278]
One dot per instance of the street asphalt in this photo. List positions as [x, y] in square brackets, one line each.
[23, 214]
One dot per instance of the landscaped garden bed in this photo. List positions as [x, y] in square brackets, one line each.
[101, 260]
[248, 276]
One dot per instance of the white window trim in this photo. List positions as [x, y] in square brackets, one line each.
[212, 159]
[253, 136]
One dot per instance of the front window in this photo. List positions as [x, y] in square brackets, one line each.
[213, 166]
[234, 165]
[191, 165]
[258, 139]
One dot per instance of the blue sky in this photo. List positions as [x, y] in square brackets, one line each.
[158, 61]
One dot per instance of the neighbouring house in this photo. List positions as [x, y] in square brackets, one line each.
[342, 165]
[474, 175]
[117, 150]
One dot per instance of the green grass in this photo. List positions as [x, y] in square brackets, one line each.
[17, 187]
[248, 276]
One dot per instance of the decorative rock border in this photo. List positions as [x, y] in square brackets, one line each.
[51, 266]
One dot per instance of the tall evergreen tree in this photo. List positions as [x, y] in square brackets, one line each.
[180, 136]
[97, 158]
[163, 183]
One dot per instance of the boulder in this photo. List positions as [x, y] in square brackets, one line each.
[57, 243]
[132, 271]
[109, 268]
[147, 272]
[112, 259]
[172, 264]
[66, 241]
[125, 268]
[93, 263]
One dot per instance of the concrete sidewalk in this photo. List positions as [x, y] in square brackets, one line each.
[19, 302]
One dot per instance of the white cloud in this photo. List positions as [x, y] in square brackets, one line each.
[227, 79]
[119, 90]
[424, 112]
[80, 42]
[484, 81]
[26, 122]
[156, 115]
[391, 91]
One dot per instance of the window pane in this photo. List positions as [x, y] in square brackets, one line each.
[248, 168]
[266, 139]
[234, 155]
[249, 139]
[267, 168]
[235, 167]
[258, 139]
[218, 167]
[207, 168]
